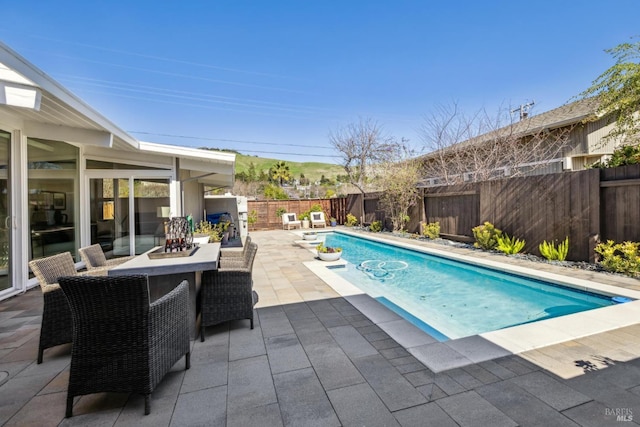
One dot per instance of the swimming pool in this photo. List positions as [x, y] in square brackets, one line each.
[450, 299]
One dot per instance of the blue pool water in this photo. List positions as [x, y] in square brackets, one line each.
[450, 299]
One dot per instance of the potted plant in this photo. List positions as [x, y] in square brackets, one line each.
[206, 232]
[309, 235]
[252, 218]
[224, 230]
[305, 217]
[333, 221]
[328, 253]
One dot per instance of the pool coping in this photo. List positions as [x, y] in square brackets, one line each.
[440, 356]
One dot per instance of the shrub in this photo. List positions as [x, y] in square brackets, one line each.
[280, 211]
[206, 228]
[274, 192]
[351, 220]
[376, 226]
[621, 258]
[509, 245]
[252, 218]
[486, 235]
[431, 230]
[550, 252]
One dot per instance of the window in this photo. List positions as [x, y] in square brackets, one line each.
[52, 181]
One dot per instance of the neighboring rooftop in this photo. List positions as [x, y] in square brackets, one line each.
[565, 115]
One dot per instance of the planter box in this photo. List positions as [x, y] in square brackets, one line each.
[329, 256]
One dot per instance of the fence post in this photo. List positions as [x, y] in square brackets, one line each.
[594, 239]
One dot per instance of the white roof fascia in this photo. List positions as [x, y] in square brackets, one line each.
[134, 157]
[215, 168]
[186, 152]
[68, 134]
[24, 68]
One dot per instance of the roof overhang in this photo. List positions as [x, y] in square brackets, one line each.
[212, 168]
[30, 96]
[47, 110]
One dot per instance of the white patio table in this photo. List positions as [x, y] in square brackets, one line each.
[166, 273]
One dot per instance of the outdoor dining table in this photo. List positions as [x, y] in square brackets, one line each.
[167, 271]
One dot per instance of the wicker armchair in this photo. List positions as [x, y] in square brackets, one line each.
[94, 258]
[227, 293]
[56, 327]
[121, 342]
[234, 259]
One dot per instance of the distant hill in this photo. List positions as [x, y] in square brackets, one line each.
[311, 170]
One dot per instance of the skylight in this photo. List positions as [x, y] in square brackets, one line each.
[18, 91]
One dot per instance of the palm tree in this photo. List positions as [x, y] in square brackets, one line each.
[280, 172]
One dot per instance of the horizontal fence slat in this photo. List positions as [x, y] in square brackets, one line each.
[620, 183]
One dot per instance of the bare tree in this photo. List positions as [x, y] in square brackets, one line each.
[398, 177]
[481, 147]
[361, 145]
[250, 189]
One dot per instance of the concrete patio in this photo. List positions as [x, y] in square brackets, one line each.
[313, 359]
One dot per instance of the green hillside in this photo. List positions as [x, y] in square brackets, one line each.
[311, 170]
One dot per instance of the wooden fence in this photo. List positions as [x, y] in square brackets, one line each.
[333, 208]
[584, 206]
[266, 210]
[620, 203]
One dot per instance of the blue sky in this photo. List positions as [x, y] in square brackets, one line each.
[274, 78]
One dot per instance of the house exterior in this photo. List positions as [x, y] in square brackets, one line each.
[568, 138]
[69, 177]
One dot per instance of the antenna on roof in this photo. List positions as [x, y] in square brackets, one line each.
[523, 109]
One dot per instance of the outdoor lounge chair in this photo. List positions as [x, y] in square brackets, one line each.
[56, 326]
[227, 293]
[121, 342]
[317, 220]
[94, 258]
[290, 220]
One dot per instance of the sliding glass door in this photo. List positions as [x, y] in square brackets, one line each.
[127, 215]
[53, 208]
[5, 212]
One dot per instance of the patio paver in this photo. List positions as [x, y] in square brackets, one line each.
[314, 358]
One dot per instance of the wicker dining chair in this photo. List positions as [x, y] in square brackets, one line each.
[94, 258]
[56, 328]
[231, 259]
[121, 342]
[227, 293]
